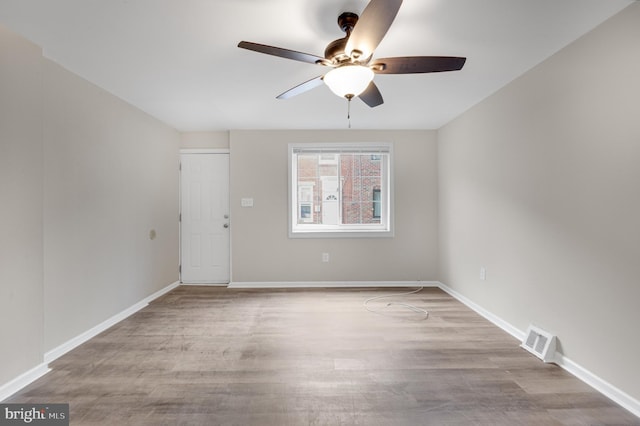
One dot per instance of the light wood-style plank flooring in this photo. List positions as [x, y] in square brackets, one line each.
[216, 356]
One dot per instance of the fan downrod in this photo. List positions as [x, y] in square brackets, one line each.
[334, 52]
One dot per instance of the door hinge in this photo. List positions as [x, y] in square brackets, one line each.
[180, 166]
[180, 269]
[180, 217]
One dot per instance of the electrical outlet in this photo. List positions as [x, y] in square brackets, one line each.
[483, 273]
[325, 257]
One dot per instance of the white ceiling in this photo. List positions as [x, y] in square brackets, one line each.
[178, 61]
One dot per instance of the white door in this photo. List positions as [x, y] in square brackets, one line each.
[204, 212]
[330, 194]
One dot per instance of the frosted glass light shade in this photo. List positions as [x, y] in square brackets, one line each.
[348, 80]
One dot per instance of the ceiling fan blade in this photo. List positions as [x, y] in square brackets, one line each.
[417, 64]
[371, 27]
[371, 95]
[283, 53]
[301, 88]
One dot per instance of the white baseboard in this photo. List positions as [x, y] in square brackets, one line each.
[330, 284]
[73, 343]
[206, 284]
[23, 380]
[602, 386]
[8, 389]
[515, 332]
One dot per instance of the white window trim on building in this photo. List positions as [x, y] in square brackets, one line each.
[304, 189]
[384, 229]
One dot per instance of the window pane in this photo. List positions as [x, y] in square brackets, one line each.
[305, 211]
[376, 203]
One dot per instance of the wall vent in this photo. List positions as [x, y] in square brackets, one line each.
[540, 343]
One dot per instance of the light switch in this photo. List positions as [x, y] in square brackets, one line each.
[246, 202]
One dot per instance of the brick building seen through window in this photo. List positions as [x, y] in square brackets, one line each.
[339, 188]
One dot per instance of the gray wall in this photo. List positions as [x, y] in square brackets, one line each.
[110, 177]
[540, 184]
[206, 140]
[261, 249]
[21, 291]
[84, 177]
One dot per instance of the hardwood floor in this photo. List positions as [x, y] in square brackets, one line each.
[216, 356]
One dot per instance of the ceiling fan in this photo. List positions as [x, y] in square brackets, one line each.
[351, 60]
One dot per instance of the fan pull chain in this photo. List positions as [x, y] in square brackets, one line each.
[349, 97]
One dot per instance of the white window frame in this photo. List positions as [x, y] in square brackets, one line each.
[384, 229]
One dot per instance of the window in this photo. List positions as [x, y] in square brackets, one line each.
[305, 202]
[340, 190]
[376, 203]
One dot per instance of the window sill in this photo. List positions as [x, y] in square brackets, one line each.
[383, 233]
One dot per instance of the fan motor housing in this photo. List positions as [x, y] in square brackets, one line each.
[335, 50]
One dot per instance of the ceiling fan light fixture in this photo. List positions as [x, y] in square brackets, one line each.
[351, 54]
[348, 80]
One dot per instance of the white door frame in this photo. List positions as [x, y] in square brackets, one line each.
[198, 151]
